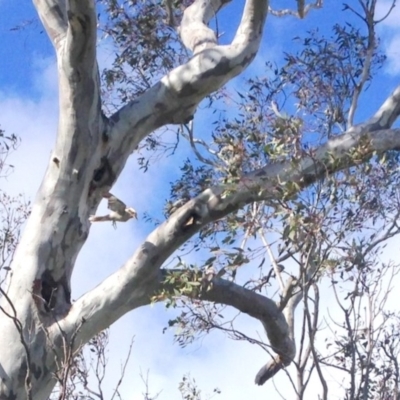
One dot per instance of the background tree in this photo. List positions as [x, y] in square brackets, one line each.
[290, 176]
[13, 210]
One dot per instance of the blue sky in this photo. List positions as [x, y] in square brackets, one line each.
[28, 104]
[21, 48]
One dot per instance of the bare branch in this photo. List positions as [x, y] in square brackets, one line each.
[53, 15]
[251, 26]
[218, 290]
[392, 6]
[275, 365]
[123, 369]
[194, 32]
[259, 307]
[81, 37]
[369, 20]
[275, 265]
[387, 113]
[189, 128]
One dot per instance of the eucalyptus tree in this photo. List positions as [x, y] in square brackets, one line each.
[291, 173]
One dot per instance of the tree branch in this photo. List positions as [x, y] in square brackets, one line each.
[174, 99]
[63, 200]
[218, 290]
[133, 285]
[81, 37]
[366, 69]
[259, 307]
[387, 113]
[53, 15]
[193, 30]
[251, 26]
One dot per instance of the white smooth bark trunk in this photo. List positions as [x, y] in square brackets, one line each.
[37, 319]
[89, 155]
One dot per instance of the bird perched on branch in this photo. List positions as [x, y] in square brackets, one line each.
[119, 211]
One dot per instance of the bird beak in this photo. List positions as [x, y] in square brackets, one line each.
[132, 213]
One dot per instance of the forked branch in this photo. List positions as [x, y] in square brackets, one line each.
[134, 284]
[175, 98]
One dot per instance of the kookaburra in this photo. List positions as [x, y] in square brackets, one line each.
[119, 211]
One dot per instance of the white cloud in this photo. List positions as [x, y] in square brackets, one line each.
[389, 31]
[382, 9]
[45, 80]
[393, 55]
[35, 123]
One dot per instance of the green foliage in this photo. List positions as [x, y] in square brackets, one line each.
[334, 230]
[147, 47]
[184, 280]
[304, 235]
[190, 391]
